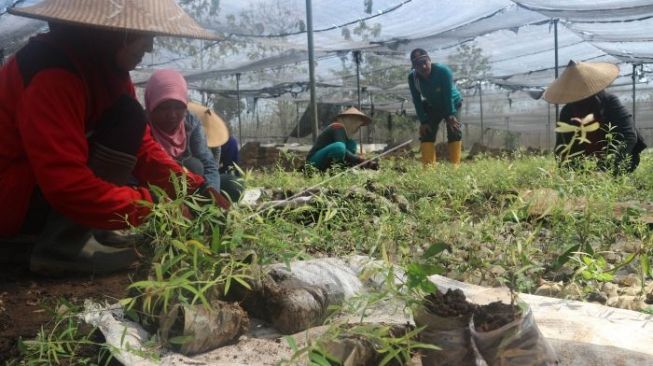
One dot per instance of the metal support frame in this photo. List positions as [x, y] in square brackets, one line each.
[357, 60]
[634, 77]
[311, 66]
[240, 122]
[480, 96]
[557, 63]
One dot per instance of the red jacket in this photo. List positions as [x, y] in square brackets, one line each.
[43, 142]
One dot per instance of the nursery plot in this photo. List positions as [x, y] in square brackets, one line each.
[477, 223]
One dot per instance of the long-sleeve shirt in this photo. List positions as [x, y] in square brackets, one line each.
[438, 91]
[334, 132]
[611, 112]
[50, 96]
[196, 147]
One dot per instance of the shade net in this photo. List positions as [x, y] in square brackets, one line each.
[266, 46]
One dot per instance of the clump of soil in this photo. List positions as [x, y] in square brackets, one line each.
[450, 304]
[494, 316]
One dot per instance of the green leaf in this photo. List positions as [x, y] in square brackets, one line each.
[604, 277]
[126, 301]
[179, 340]
[564, 258]
[390, 356]
[318, 359]
[292, 343]
[432, 269]
[646, 265]
[436, 249]
[241, 280]
[132, 314]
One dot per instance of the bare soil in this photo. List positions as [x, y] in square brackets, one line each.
[494, 316]
[450, 304]
[27, 300]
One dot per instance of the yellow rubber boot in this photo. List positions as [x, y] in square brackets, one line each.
[428, 153]
[455, 150]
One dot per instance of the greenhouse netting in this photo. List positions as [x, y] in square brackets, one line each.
[503, 54]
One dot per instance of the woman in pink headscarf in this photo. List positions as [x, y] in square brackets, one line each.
[179, 132]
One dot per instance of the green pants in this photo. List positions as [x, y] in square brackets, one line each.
[335, 152]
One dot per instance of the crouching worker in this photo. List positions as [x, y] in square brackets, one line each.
[589, 113]
[181, 133]
[73, 132]
[335, 146]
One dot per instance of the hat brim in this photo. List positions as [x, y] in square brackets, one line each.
[581, 81]
[353, 112]
[178, 23]
[216, 130]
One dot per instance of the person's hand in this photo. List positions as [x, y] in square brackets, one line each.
[218, 198]
[424, 129]
[453, 122]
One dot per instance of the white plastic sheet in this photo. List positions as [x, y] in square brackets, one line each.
[582, 334]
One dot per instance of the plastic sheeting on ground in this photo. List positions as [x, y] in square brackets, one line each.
[581, 333]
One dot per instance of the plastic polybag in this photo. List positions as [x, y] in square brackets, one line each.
[451, 335]
[362, 348]
[192, 329]
[518, 343]
[445, 321]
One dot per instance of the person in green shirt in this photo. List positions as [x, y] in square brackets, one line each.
[436, 98]
[335, 146]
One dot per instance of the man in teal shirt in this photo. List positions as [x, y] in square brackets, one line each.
[436, 98]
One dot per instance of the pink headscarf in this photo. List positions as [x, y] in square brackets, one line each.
[167, 85]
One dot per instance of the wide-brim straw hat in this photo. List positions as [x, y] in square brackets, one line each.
[216, 130]
[581, 80]
[355, 112]
[156, 17]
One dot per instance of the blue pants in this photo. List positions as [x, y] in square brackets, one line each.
[335, 152]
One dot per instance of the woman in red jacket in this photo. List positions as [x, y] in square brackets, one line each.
[72, 131]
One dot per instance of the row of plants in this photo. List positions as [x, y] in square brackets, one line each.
[475, 223]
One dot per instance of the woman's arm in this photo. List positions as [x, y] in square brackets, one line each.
[200, 150]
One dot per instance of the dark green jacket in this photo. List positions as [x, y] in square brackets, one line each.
[439, 91]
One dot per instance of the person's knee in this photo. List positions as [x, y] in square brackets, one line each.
[337, 150]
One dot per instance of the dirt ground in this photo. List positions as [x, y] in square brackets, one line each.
[26, 300]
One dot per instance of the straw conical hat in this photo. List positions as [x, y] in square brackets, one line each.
[579, 81]
[158, 17]
[355, 112]
[216, 130]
